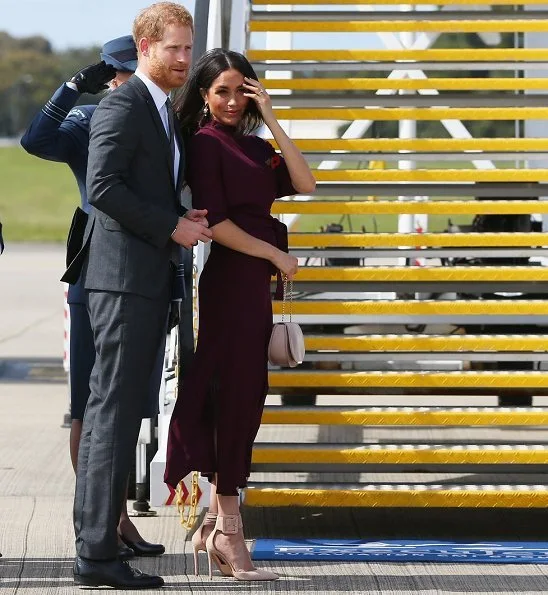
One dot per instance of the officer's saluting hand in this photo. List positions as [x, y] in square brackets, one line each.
[93, 79]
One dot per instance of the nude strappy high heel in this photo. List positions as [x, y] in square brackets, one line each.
[198, 544]
[230, 525]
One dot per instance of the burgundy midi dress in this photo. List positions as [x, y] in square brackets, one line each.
[220, 401]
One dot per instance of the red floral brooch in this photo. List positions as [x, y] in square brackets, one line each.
[274, 161]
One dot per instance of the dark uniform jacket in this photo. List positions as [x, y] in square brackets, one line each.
[60, 132]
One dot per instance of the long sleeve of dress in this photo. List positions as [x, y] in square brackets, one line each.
[283, 179]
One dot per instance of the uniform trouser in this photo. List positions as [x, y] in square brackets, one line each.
[127, 330]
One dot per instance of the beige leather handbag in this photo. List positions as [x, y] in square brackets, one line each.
[286, 346]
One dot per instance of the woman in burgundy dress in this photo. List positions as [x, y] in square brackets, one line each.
[236, 176]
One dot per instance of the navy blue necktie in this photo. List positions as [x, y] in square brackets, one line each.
[171, 127]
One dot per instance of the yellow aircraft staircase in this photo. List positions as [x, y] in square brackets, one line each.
[406, 410]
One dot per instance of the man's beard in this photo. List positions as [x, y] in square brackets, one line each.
[162, 75]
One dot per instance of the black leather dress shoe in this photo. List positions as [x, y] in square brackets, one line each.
[125, 552]
[112, 573]
[144, 548]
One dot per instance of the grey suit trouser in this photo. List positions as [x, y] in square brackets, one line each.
[127, 330]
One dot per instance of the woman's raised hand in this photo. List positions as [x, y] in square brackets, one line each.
[287, 263]
[259, 95]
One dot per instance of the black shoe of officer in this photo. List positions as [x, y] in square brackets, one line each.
[143, 548]
[125, 552]
[112, 573]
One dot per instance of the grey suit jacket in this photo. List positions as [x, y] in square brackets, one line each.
[130, 184]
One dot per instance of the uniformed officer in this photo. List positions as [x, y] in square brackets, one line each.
[60, 132]
[1, 250]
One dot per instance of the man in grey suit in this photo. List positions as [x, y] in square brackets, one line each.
[131, 247]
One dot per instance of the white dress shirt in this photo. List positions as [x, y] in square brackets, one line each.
[159, 98]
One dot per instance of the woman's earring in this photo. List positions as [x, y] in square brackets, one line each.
[205, 115]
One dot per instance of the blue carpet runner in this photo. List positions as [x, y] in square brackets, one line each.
[502, 552]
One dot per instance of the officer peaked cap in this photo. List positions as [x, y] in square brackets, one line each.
[121, 53]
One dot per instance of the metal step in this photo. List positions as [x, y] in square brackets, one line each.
[419, 308]
[424, 360]
[366, 245]
[447, 23]
[300, 19]
[315, 100]
[433, 279]
[445, 382]
[362, 254]
[330, 66]
[509, 55]
[407, 416]
[409, 113]
[417, 343]
[374, 84]
[398, 496]
[392, 158]
[456, 313]
[378, 145]
[386, 240]
[431, 175]
[462, 274]
[410, 207]
[382, 284]
[339, 457]
[526, 190]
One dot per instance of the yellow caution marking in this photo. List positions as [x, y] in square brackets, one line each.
[420, 308]
[436, 26]
[431, 55]
[431, 175]
[407, 417]
[438, 380]
[395, 454]
[427, 497]
[430, 240]
[427, 273]
[373, 84]
[409, 207]
[413, 113]
[418, 343]
[421, 144]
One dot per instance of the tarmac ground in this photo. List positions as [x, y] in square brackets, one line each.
[37, 483]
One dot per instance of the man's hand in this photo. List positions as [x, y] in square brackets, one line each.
[188, 233]
[198, 216]
[94, 78]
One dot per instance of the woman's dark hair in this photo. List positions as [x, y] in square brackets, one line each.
[189, 103]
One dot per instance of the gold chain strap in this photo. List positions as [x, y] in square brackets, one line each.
[188, 513]
[286, 293]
